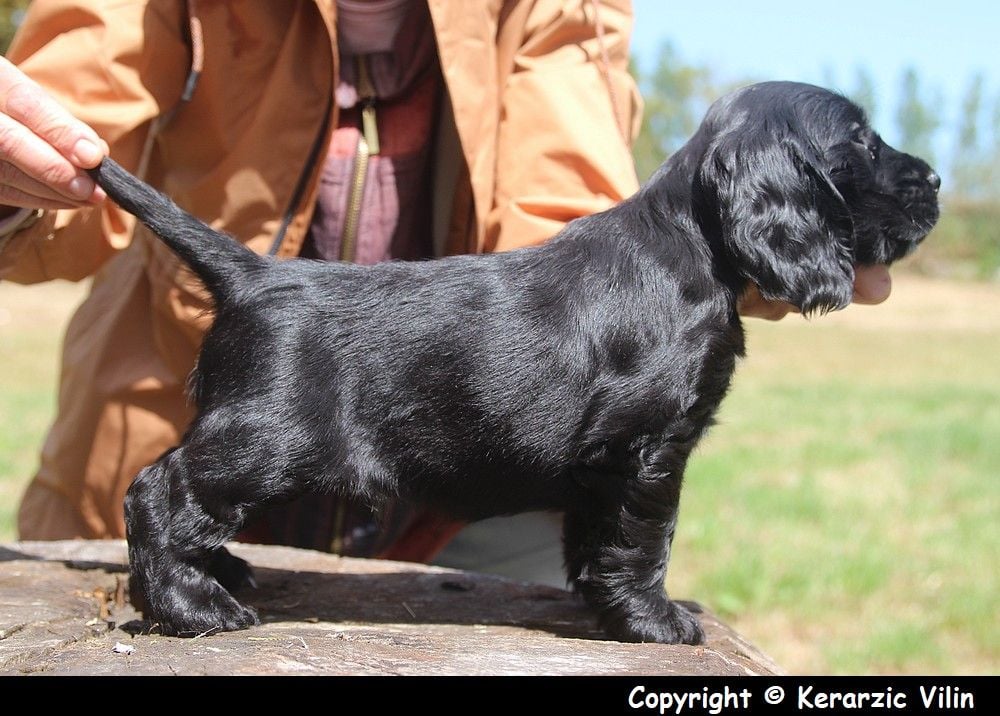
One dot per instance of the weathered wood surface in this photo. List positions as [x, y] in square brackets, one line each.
[63, 610]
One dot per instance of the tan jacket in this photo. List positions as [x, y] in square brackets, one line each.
[536, 133]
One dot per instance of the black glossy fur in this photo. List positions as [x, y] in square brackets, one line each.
[576, 376]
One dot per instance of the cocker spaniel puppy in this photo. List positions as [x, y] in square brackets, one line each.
[575, 376]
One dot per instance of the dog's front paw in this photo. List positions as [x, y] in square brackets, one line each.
[669, 624]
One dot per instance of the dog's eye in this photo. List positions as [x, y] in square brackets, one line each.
[872, 152]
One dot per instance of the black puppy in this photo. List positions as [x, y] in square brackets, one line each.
[575, 376]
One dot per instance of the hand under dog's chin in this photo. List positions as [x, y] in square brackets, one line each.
[872, 286]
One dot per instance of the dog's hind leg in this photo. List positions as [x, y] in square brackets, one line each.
[174, 547]
[617, 552]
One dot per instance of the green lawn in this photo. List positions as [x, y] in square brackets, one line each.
[844, 514]
[31, 326]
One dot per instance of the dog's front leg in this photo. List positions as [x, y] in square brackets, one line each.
[617, 552]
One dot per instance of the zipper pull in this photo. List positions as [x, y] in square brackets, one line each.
[369, 125]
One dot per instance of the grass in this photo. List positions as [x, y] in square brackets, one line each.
[32, 322]
[844, 514]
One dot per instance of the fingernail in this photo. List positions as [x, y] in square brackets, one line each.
[87, 154]
[81, 187]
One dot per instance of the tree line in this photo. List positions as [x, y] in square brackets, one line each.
[677, 94]
[966, 241]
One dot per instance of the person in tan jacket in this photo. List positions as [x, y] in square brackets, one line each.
[240, 112]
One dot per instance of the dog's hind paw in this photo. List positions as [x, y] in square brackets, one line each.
[187, 602]
[223, 615]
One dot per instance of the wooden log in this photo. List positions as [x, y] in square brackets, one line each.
[64, 610]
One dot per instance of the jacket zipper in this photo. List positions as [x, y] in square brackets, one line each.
[368, 146]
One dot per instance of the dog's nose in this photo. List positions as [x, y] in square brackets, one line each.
[934, 180]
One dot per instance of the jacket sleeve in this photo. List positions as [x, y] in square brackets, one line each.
[569, 113]
[115, 66]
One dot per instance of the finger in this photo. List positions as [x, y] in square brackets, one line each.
[27, 103]
[772, 310]
[40, 161]
[14, 180]
[753, 305]
[10, 196]
[872, 284]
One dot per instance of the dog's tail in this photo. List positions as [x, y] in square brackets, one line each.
[220, 261]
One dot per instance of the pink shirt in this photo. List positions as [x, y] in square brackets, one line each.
[395, 40]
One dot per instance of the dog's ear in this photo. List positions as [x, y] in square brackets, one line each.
[781, 221]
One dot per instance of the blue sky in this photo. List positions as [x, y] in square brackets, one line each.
[946, 41]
